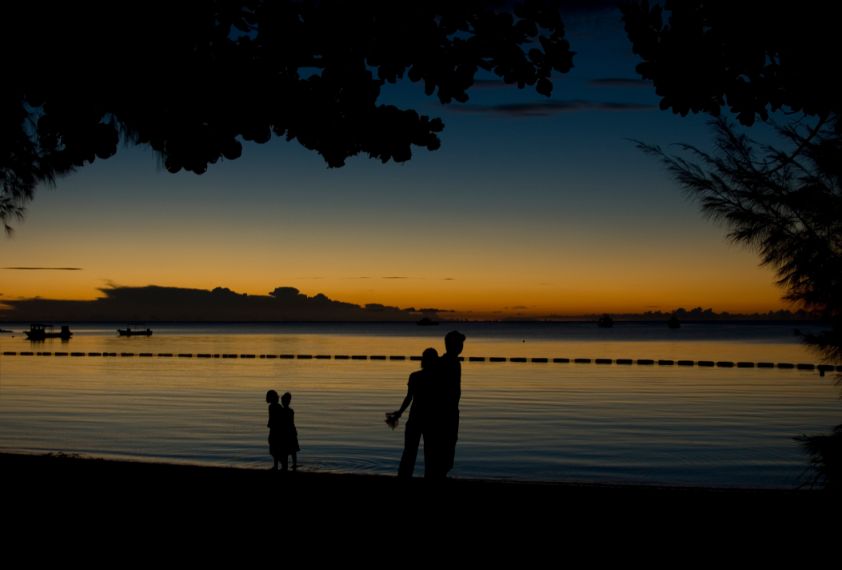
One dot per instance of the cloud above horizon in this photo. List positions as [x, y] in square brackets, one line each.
[546, 108]
[619, 82]
[579, 6]
[43, 268]
[154, 303]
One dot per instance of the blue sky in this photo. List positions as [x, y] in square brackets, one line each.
[553, 211]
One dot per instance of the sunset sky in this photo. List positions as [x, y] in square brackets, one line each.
[532, 207]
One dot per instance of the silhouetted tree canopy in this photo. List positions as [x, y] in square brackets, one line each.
[754, 59]
[786, 204]
[750, 57]
[192, 79]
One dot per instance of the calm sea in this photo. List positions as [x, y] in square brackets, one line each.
[533, 420]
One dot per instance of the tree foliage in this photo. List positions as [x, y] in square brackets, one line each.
[784, 203]
[192, 79]
[754, 60]
[703, 55]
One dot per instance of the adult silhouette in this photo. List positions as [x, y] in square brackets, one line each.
[418, 394]
[443, 416]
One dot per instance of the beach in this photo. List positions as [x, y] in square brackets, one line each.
[62, 481]
[64, 506]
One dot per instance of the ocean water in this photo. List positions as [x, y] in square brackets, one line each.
[728, 427]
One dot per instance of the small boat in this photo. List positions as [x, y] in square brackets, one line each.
[605, 321]
[674, 323]
[426, 322]
[137, 332]
[42, 332]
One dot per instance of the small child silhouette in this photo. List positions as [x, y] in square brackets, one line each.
[274, 425]
[288, 435]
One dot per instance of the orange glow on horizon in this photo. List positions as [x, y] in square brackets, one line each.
[492, 302]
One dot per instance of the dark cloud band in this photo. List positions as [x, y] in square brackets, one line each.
[545, 108]
[619, 82]
[43, 268]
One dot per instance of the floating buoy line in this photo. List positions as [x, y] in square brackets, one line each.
[822, 368]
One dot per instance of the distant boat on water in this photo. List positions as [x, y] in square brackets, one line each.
[136, 332]
[605, 321]
[42, 332]
[426, 322]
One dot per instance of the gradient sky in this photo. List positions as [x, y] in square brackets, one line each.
[532, 207]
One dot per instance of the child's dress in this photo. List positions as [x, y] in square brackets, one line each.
[287, 434]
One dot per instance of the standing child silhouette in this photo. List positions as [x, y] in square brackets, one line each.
[288, 435]
[274, 425]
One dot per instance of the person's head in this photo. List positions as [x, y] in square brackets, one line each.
[271, 397]
[453, 342]
[428, 358]
[286, 399]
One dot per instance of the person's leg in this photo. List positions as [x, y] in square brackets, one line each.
[412, 438]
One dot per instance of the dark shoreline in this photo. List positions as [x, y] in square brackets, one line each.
[93, 474]
[149, 505]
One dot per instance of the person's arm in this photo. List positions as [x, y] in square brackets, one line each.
[406, 401]
[405, 404]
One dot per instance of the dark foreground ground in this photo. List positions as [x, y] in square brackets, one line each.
[109, 500]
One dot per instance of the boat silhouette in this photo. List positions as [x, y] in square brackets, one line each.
[605, 321]
[41, 332]
[136, 332]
